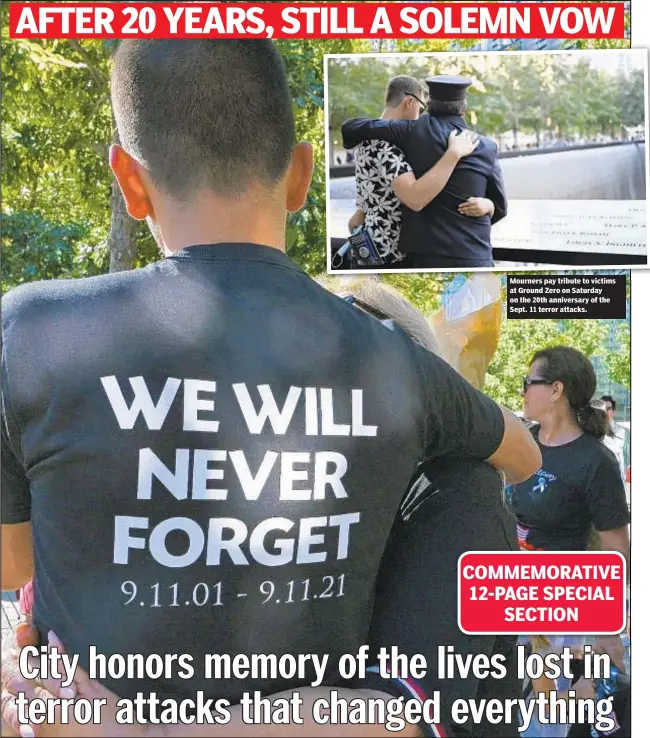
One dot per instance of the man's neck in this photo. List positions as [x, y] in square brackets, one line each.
[391, 114]
[258, 219]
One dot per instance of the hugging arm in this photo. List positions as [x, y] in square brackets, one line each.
[496, 192]
[357, 130]
[418, 193]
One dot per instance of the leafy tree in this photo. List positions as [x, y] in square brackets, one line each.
[630, 101]
[34, 248]
[618, 363]
[521, 338]
[56, 128]
[423, 290]
[547, 95]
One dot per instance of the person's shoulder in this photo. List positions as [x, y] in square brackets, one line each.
[489, 142]
[598, 451]
[49, 298]
[429, 122]
[489, 145]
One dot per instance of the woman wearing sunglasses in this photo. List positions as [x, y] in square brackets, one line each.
[577, 495]
[579, 484]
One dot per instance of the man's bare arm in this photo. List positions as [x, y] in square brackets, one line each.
[518, 455]
[359, 218]
[418, 193]
[17, 555]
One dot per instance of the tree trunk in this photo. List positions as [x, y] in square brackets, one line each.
[122, 246]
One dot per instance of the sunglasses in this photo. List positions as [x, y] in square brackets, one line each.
[527, 382]
[423, 105]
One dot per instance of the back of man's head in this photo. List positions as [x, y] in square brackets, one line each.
[456, 108]
[204, 114]
[609, 400]
[400, 87]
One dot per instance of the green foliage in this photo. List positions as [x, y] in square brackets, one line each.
[57, 125]
[33, 248]
[618, 363]
[423, 290]
[520, 339]
[547, 95]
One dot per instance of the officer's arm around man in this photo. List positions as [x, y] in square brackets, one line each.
[496, 192]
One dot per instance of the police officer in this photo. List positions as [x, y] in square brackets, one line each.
[454, 229]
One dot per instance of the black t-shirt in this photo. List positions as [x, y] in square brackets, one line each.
[212, 451]
[578, 485]
[451, 507]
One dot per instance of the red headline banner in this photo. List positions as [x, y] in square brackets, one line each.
[541, 593]
[317, 20]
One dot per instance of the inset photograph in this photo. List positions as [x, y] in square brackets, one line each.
[501, 160]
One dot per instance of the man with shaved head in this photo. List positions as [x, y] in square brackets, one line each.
[209, 452]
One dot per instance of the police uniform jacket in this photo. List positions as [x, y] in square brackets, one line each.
[439, 229]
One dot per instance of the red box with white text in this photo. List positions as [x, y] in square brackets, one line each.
[541, 593]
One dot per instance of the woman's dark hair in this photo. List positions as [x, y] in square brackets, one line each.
[602, 405]
[574, 370]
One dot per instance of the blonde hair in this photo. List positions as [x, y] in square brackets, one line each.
[396, 307]
[391, 303]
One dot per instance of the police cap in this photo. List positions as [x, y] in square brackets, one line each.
[447, 88]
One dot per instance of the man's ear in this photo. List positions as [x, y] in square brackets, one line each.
[128, 173]
[299, 176]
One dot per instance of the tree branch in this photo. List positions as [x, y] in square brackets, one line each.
[95, 72]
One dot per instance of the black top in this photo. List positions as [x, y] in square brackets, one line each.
[578, 485]
[439, 229]
[212, 451]
[451, 507]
